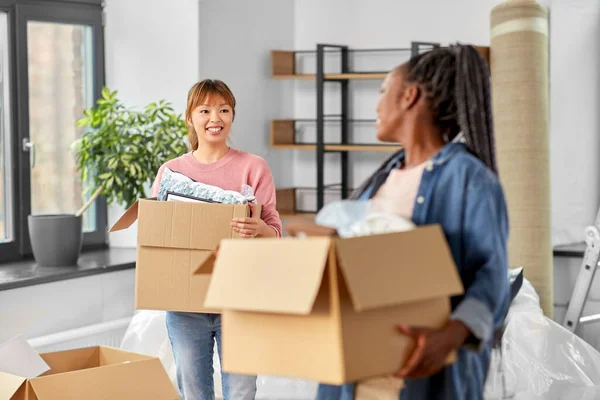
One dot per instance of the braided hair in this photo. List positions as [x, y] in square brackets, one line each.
[456, 83]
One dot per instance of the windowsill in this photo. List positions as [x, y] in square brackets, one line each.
[26, 273]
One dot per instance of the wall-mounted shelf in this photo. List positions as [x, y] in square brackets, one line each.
[339, 147]
[300, 215]
[287, 205]
[283, 62]
[336, 77]
[283, 137]
[283, 132]
[287, 202]
[283, 65]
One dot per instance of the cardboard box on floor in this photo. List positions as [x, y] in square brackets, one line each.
[173, 239]
[325, 308]
[91, 373]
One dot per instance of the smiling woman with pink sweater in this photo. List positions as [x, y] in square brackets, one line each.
[209, 114]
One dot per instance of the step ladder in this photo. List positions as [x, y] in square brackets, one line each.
[591, 261]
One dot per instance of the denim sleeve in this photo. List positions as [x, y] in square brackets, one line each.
[485, 233]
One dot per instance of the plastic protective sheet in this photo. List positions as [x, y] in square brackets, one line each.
[147, 334]
[355, 218]
[539, 359]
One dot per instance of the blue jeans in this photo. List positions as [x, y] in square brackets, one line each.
[193, 337]
[333, 392]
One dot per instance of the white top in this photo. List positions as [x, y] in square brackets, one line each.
[399, 191]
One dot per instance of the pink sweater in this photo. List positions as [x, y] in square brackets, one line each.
[230, 173]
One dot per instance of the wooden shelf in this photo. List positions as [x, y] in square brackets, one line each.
[294, 146]
[283, 132]
[300, 215]
[283, 136]
[358, 75]
[348, 76]
[286, 205]
[283, 66]
[294, 76]
[340, 147]
[287, 202]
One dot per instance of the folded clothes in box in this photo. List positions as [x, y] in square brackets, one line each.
[176, 183]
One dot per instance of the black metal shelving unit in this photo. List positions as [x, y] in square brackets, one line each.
[343, 78]
[283, 132]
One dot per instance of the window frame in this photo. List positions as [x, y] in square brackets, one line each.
[19, 12]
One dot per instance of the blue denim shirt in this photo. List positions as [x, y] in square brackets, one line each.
[465, 197]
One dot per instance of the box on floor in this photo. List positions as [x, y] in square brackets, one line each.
[324, 308]
[92, 373]
[173, 239]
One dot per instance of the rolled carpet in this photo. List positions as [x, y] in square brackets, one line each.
[520, 96]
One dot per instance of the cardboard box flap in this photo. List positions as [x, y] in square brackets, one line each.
[110, 356]
[18, 358]
[127, 219]
[137, 380]
[270, 275]
[9, 384]
[186, 225]
[396, 268]
[71, 360]
[18, 362]
[207, 265]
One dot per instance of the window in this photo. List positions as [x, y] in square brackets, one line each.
[51, 69]
[5, 129]
[60, 88]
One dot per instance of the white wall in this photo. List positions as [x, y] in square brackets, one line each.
[157, 49]
[575, 116]
[372, 24]
[152, 49]
[575, 141]
[235, 40]
[55, 307]
[152, 53]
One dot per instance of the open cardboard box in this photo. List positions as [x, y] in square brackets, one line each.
[174, 238]
[90, 373]
[325, 308]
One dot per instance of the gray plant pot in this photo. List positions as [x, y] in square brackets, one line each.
[55, 239]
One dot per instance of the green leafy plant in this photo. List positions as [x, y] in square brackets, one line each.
[122, 149]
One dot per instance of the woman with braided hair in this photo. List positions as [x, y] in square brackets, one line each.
[438, 107]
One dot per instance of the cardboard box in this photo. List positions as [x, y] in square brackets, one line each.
[93, 373]
[173, 239]
[325, 308]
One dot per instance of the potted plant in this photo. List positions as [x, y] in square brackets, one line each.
[116, 157]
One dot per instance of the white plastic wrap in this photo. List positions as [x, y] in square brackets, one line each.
[276, 388]
[147, 334]
[340, 215]
[540, 359]
[355, 218]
